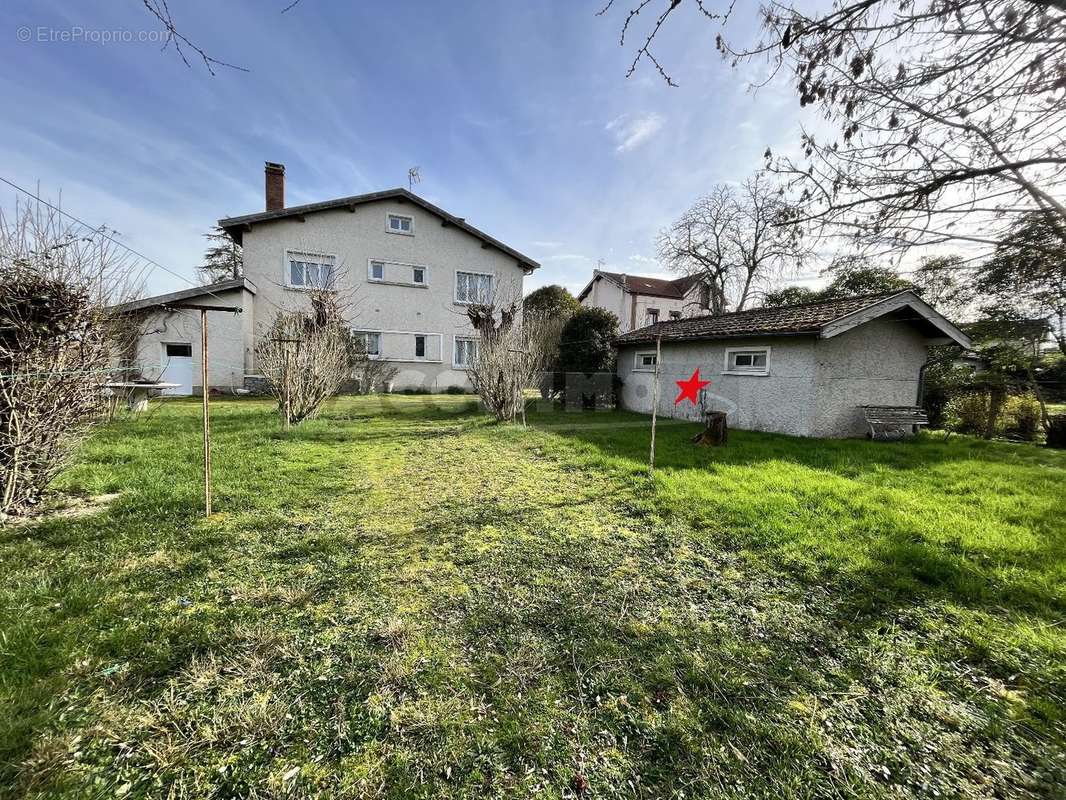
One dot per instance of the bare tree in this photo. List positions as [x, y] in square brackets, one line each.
[56, 345]
[183, 46]
[733, 240]
[307, 356]
[945, 119]
[371, 374]
[512, 353]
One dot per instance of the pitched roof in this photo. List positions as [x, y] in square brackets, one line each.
[186, 294]
[235, 226]
[805, 318]
[638, 284]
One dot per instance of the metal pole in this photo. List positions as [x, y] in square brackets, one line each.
[206, 390]
[654, 403]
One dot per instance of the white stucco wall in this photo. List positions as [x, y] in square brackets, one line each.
[608, 296]
[779, 402]
[877, 363]
[397, 311]
[814, 388]
[228, 335]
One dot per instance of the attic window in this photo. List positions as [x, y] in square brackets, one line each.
[747, 361]
[398, 223]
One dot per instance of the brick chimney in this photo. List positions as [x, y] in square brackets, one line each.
[275, 186]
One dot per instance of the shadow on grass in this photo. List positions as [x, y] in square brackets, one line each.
[867, 516]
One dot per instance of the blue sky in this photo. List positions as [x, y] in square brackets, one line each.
[519, 115]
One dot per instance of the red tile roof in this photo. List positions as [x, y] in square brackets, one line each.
[806, 318]
[653, 287]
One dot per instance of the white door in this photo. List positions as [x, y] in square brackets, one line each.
[177, 368]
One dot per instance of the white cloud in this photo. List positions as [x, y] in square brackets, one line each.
[547, 245]
[567, 257]
[632, 131]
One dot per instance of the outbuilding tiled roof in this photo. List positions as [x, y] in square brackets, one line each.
[805, 318]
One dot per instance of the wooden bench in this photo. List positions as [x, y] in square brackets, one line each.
[894, 422]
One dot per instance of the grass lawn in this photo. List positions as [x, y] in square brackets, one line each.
[404, 599]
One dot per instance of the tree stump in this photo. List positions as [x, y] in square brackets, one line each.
[716, 433]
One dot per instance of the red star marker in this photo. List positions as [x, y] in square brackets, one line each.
[690, 389]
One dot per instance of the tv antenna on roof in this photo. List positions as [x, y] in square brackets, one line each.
[412, 178]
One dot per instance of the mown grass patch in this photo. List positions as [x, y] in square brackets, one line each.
[402, 599]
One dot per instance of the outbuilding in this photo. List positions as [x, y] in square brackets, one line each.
[804, 370]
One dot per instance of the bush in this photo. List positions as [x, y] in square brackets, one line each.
[456, 390]
[1021, 417]
[968, 413]
[586, 365]
[56, 345]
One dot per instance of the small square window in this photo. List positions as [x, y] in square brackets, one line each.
[645, 362]
[675, 315]
[418, 275]
[653, 316]
[370, 343]
[420, 346]
[398, 223]
[377, 270]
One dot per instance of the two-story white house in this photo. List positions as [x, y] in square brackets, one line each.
[407, 268]
[638, 301]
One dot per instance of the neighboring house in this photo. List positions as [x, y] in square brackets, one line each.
[804, 370]
[408, 270]
[638, 301]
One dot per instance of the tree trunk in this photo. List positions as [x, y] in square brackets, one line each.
[716, 433]
[996, 397]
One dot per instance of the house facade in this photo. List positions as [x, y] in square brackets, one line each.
[406, 271]
[804, 370]
[639, 301]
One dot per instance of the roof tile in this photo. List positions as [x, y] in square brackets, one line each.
[786, 320]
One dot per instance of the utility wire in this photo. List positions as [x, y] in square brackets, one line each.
[99, 231]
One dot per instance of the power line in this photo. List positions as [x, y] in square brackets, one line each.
[99, 231]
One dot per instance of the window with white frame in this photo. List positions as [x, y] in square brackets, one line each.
[398, 223]
[396, 272]
[465, 352]
[369, 342]
[645, 362]
[748, 361]
[310, 270]
[653, 316]
[473, 287]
